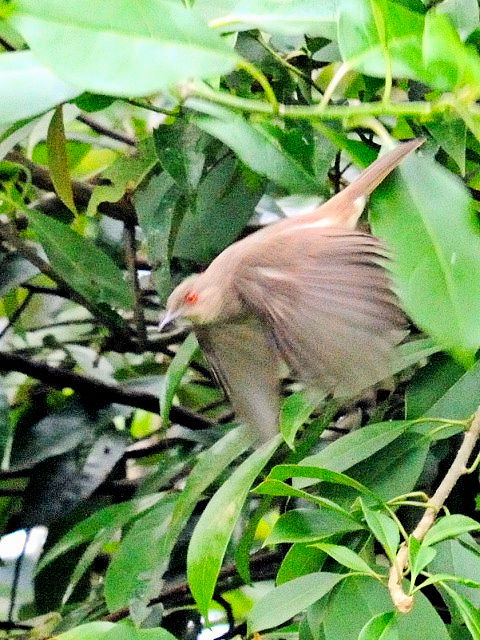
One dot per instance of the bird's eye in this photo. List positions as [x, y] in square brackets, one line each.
[191, 298]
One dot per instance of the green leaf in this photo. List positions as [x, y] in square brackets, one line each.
[459, 557]
[430, 383]
[225, 201]
[433, 277]
[261, 146]
[309, 525]
[175, 372]
[381, 627]
[463, 15]
[155, 203]
[285, 601]
[469, 613]
[126, 173]
[58, 161]
[419, 557]
[295, 411]
[346, 557]
[300, 560]
[126, 630]
[91, 631]
[452, 64]
[109, 518]
[450, 527]
[87, 269]
[354, 447]
[445, 577]
[459, 402]
[384, 529]
[450, 133]
[136, 569]
[28, 88]
[214, 529]
[289, 17]
[354, 602]
[361, 45]
[71, 38]
[180, 149]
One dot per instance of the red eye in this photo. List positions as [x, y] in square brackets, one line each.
[191, 298]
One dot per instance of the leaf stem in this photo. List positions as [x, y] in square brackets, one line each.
[262, 80]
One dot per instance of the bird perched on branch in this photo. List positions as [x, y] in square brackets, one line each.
[311, 292]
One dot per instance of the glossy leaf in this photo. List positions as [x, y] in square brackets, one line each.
[58, 160]
[309, 525]
[290, 17]
[129, 579]
[353, 604]
[71, 38]
[434, 278]
[29, 88]
[419, 556]
[381, 627]
[175, 372]
[214, 529]
[109, 518]
[295, 411]
[469, 613]
[346, 557]
[450, 527]
[281, 604]
[354, 447]
[459, 557]
[86, 268]
[225, 201]
[300, 560]
[384, 529]
[260, 146]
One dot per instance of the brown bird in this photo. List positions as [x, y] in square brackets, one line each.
[311, 292]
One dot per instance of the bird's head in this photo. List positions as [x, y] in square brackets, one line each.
[197, 299]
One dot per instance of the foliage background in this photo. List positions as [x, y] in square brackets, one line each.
[137, 140]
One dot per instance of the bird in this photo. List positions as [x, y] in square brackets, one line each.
[311, 292]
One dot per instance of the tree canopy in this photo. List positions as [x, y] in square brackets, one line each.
[137, 141]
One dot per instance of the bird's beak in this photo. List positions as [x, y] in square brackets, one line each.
[167, 319]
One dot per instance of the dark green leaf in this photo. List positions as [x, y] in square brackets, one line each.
[433, 277]
[139, 578]
[381, 627]
[469, 613]
[450, 527]
[180, 149]
[346, 557]
[87, 269]
[281, 604]
[225, 202]
[309, 525]
[300, 560]
[420, 556]
[459, 558]
[175, 372]
[384, 529]
[262, 147]
[214, 529]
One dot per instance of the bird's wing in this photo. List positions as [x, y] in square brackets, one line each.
[247, 365]
[326, 296]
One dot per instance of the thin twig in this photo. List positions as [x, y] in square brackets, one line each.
[115, 322]
[121, 210]
[105, 131]
[130, 253]
[402, 601]
[106, 393]
[17, 313]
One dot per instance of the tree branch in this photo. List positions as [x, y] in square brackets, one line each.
[121, 210]
[130, 252]
[92, 388]
[402, 601]
[105, 131]
[263, 567]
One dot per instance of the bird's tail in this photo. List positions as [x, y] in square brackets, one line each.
[373, 175]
